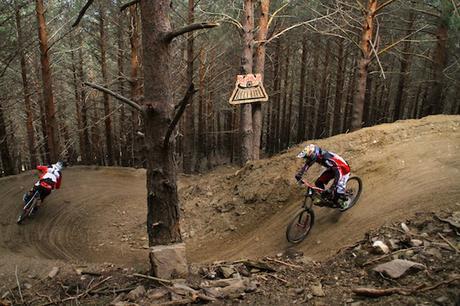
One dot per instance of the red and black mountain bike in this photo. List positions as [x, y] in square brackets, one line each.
[303, 221]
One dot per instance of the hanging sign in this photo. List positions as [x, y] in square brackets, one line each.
[248, 89]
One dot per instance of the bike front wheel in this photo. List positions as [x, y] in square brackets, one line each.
[353, 191]
[300, 225]
[26, 211]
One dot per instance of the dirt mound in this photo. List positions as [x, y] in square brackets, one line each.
[406, 166]
[99, 214]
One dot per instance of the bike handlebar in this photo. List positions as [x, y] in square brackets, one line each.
[311, 186]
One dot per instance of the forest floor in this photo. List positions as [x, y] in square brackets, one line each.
[94, 227]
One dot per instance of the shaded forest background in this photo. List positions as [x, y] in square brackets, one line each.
[312, 74]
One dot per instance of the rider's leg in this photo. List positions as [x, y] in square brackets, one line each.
[43, 194]
[341, 197]
[324, 178]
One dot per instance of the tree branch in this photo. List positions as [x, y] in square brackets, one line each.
[181, 108]
[115, 95]
[82, 13]
[381, 6]
[126, 5]
[192, 27]
[392, 45]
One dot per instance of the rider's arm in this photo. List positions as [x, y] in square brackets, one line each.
[42, 169]
[302, 170]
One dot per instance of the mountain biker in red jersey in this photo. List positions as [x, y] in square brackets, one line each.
[336, 168]
[50, 178]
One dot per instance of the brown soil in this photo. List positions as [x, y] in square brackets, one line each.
[99, 214]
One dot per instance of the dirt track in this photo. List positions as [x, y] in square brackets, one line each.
[99, 214]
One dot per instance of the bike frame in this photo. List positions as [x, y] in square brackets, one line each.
[26, 206]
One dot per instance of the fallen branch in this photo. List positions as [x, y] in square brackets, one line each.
[154, 278]
[82, 13]
[448, 242]
[390, 254]
[19, 285]
[126, 5]
[181, 108]
[189, 28]
[83, 294]
[283, 263]
[375, 292]
[440, 284]
[278, 278]
[115, 95]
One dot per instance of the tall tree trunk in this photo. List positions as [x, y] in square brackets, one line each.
[105, 78]
[435, 101]
[189, 136]
[403, 72]
[7, 161]
[349, 105]
[135, 85]
[27, 100]
[301, 108]
[314, 97]
[337, 112]
[283, 133]
[201, 145]
[246, 68]
[84, 107]
[321, 127]
[51, 121]
[78, 103]
[289, 113]
[162, 199]
[259, 68]
[123, 128]
[366, 49]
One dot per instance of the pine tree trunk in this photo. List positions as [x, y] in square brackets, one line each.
[349, 105]
[289, 113]
[86, 153]
[403, 72]
[246, 68]
[435, 101]
[301, 107]
[135, 86]
[337, 112]
[27, 100]
[259, 68]
[189, 136]
[7, 161]
[162, 199]
[123, 125]
[105, 78]
[283, 134]
[51, 121]
[366, 39]
[321, 121]
[78, 102]
[314, 97]
[201, 145]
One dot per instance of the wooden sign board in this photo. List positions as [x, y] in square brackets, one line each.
[248, 89]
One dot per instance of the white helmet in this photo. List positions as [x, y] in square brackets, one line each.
[58, 166]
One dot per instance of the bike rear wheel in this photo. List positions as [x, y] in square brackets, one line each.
[353, 191]
[300, 225]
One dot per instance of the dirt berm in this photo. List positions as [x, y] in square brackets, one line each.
[231, 213]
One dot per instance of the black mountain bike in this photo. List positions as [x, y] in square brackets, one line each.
[303, 221]
[30, 204]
